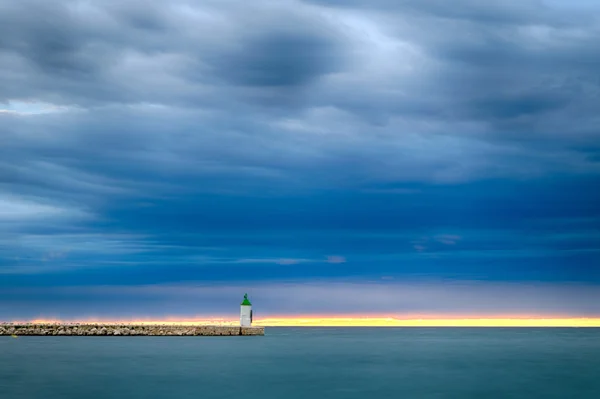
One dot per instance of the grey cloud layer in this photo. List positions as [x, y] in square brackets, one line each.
[517, 68]
[157, 117]
[402, 91]
[93, 53]
[391, 299]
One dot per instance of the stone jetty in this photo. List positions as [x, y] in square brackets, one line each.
[123, 330]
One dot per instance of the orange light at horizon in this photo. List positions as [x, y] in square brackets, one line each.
[360, 321]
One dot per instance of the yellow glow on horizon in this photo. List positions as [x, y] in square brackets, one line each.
[358, 321]
[432, 322]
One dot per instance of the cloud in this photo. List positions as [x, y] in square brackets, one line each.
[31, 108]
[408, 299]
[327, 73]
[17, 209]
[413, 138]
[448, 239]
[280, 59]
[419, 247]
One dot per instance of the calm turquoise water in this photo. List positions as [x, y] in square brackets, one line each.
[308, 363]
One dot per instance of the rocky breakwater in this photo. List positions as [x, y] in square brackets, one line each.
[14, 329]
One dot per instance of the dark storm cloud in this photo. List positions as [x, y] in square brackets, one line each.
[90, 53]
[522, 68]
[280, 59]
[221, 140]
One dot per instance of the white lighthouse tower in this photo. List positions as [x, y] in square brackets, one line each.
[246, 312]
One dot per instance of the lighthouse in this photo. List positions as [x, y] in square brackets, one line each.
[246, 312]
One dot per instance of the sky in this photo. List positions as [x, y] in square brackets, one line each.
[409, 158]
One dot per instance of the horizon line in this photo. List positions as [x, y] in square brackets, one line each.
[346, 321]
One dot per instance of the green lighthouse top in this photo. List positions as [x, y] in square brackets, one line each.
[246, 302]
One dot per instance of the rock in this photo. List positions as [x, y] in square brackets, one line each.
[124, 330]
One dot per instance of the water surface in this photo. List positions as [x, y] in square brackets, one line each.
[291, 363]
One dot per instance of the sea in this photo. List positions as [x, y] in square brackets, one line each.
[290, 363]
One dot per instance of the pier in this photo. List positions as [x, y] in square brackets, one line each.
[124, 330]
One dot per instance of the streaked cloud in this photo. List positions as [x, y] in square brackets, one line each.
[148, 144]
